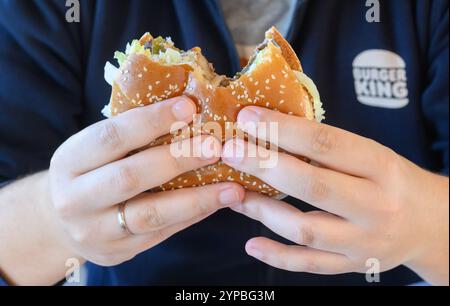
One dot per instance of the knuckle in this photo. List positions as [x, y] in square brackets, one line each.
[126, 179]
[202, 207]
[153, 218]
[155, 121]
[390, 162]
[55, 160]
[109, 134]
[81, 235]
[388, 209]
[305, 234]
[323, 140]
[309, 264]
[316, 189]
[64, 207]
[178, 164]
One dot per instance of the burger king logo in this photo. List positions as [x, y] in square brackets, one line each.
[380, 79]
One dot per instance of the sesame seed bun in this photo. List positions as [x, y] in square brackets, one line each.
[270, 80]
[288, 53]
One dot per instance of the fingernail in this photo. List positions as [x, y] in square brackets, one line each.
[233, 152]
[229, 196]
[252, 250]
[248, 115]
[210, 149]
[183, 110]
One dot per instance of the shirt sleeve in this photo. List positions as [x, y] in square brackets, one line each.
[435, 99]
[40, 84]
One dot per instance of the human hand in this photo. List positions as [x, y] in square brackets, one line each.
[90, 175]
[376, 204]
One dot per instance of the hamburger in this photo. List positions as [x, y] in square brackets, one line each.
[152, 70]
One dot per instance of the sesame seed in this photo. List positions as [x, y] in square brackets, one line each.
[140, 75]
[273, 77]
[145, 69]
[267, 81]
[168, 76]
[281, 102]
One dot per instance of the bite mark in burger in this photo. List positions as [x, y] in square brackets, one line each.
[153, 69]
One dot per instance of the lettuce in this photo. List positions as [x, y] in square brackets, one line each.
[134, 47]
[120, 57]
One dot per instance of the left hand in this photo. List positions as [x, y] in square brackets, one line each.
[376, 204]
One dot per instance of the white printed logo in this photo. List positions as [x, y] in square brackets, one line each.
[380, 79]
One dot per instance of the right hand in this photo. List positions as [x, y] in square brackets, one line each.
[89, 177]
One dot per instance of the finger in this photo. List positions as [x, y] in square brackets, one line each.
[138, 244]
[113, 138]
[328, 190]
[126, 178]
[318, 230]
[329, 146]
[297, 258]
[152, 213]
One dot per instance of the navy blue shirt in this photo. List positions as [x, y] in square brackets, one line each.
[387, 81]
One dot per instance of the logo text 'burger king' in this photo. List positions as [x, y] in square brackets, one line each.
[380, 79]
